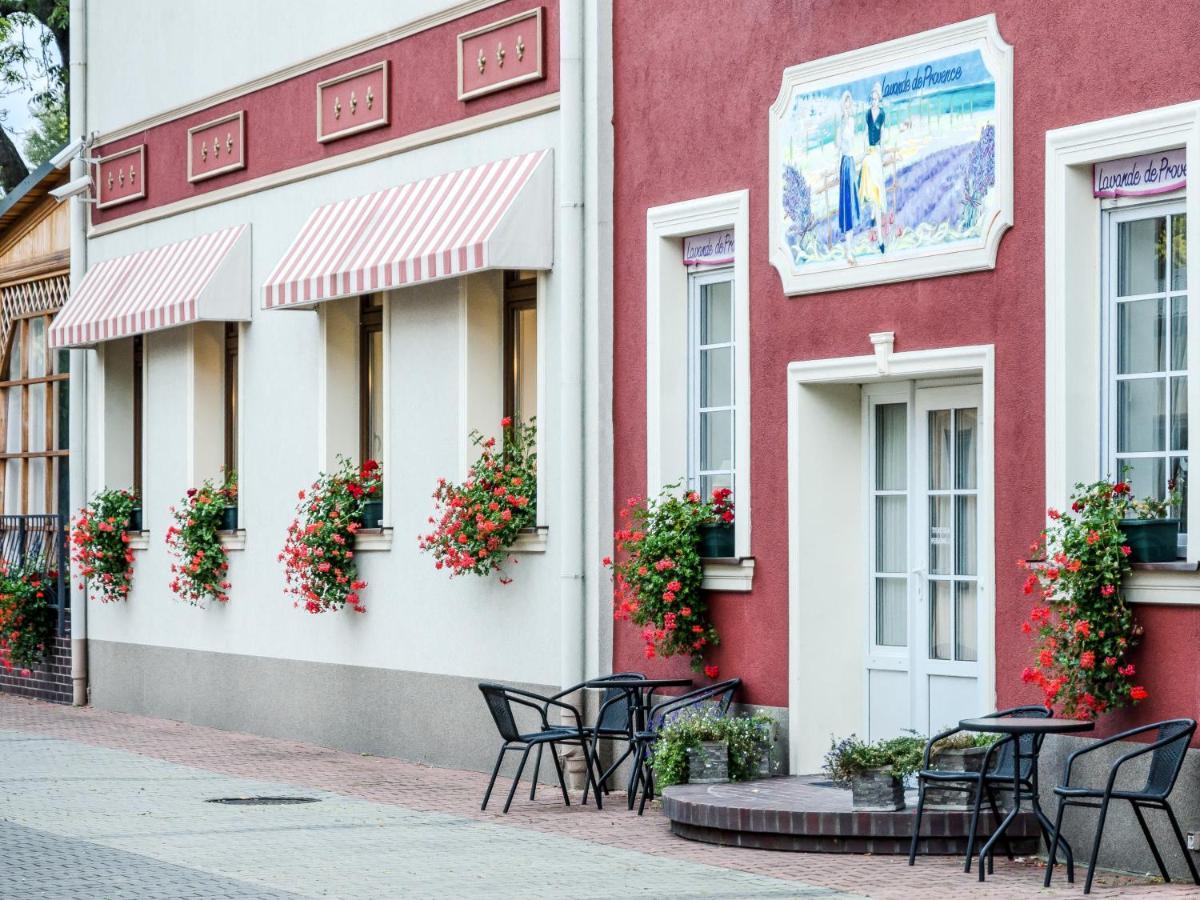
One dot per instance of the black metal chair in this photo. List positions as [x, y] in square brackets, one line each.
[500, 701]
[719, 695]
[615, 722]
[995, 772]
[1167, 752]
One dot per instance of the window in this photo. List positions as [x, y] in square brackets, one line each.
[520, 345]
[139, 361]
[1146, 322]
[231, 397]
[711, 404]
[33, 407]
[889, 515]
[370, 377]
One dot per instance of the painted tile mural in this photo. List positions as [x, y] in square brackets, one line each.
[886, 164]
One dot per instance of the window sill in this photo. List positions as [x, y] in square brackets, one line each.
[139, 540]
[232, 540]
[373, 540]
[532, 540]
[1164, 584]
[731, 574]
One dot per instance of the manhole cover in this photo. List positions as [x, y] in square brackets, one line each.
[824, 784]
[262, 801]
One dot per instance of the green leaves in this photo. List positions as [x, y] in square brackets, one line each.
[198, 573]
[27, 616]
[100, 545]
[748, 738]
[851, 756]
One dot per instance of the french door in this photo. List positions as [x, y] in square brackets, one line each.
[925, 632]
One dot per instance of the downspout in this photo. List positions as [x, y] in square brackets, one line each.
[77, 438]
[570, 271]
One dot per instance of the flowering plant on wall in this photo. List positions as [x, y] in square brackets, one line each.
[27, 616]
[198, 572]
[1084, 631]
[657, 573]
[318, 557]
[100, 544]
[475, 521]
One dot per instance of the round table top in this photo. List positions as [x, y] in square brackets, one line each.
[635, 683]
[1027, 725]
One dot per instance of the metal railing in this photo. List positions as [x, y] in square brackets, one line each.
[38, 543]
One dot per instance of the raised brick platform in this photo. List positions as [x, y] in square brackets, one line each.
[808, 814]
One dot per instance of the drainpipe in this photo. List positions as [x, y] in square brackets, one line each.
[77, 439]
[570, 270]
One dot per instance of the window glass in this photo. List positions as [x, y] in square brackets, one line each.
[712, 415]
[520, 345]
[890, 441]
[370, 378]
[1148, 388]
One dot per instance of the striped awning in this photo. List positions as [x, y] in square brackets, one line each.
[202, 278]
[494, 216]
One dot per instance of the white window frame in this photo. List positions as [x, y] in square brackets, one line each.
[667, 287]
[697, 280]
[1072, 311]
[1109, 377]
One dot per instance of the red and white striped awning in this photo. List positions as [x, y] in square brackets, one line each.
[202, 278]
[498, 215]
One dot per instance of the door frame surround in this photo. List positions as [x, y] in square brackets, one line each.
[977, 361]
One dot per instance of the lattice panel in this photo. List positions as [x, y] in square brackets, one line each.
[25, 299]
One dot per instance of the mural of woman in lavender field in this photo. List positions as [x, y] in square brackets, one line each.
[893, 164]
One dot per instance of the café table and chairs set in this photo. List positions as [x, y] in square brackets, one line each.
[1011, 764]
[628, 714]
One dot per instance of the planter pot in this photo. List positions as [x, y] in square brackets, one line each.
[708, 763]
[877, 789]
[967, 759]
[1152, 540]
[229, 518]
[134, 523]
[372, 516]
[716, 540]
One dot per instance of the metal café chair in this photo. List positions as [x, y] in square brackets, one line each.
[1167, 752]
[995, 771]
[615, 722]
[501, 701]
[720, 695]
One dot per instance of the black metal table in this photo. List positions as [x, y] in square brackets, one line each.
[642, 691]
[1019, 727]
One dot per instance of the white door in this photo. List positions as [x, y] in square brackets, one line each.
[925, 631]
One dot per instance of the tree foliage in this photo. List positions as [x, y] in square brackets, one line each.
[38, 67]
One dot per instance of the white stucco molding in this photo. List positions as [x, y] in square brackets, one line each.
[666, 332]
[979, 33]
[1072, 267]
[806, 571]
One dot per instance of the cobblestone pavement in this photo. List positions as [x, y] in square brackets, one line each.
[100, 804]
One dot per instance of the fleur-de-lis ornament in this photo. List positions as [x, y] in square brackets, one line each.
[110, 180]
[132, 174]
[216, 147]
[229, 141]
[499, 55]
[204, 151]
[121, 177]
[353, 103]
[482, 61]
[370, 97]
[337, 107]
[520, 48]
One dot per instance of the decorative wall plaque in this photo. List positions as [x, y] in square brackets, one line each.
[217, 147]
[121, 177]
[354, 102]
[500, 55]
[893, 161]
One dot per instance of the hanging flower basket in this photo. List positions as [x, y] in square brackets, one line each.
[320, 571]
[475, 522]
[200, 567]
[100, 545]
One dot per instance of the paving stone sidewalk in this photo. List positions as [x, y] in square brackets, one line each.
[101, 804]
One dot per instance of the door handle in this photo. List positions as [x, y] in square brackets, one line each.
[919, 574]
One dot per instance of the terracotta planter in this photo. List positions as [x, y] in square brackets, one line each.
[708, 763]
[965, 759]
[1152, 540]
[716, 540]
[877, 789]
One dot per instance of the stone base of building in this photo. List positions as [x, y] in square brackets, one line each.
[435, 719]
[51, 681]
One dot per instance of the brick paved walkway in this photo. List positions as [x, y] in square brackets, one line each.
[99, 804]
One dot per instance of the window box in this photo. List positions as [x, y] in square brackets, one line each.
[1152, 540]
[373, 514]
[229, 519]
[134, 525]
[716, 541]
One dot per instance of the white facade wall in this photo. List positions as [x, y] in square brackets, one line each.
[442, 379]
